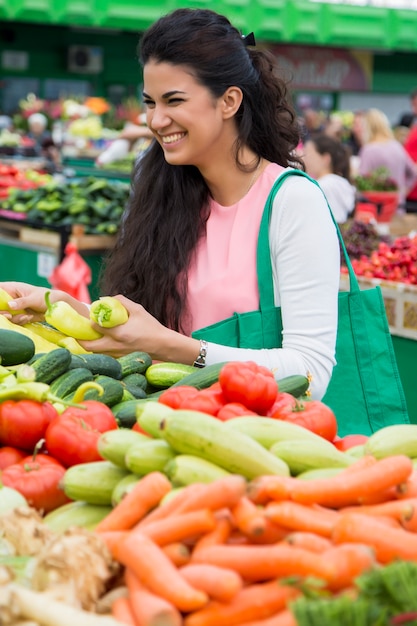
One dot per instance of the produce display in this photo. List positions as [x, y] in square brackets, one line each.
[158, 494]
[95, 203]
[12, 177]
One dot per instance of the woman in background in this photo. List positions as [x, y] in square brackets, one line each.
[381, 149]
[328, 161]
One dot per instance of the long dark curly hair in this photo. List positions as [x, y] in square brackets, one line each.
[168, 206]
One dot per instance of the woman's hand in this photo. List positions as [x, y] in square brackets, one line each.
[31, 299]
[144, 333]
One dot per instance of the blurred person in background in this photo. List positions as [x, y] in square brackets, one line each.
[381, 149]
[409, 118]
[41, 141]
[327, 160]
[410, 145]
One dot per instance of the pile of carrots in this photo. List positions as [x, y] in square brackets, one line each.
[228, 552]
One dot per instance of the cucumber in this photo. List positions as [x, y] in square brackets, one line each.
[133, 390]
[102, 364]
[296, 385]
[148, 456]
[75, 361]
[51, 365]
[112, 391]
[163, 375]
[136, 380]
[126, 412]
[68, 383]
[92, 482]
[200, 378]
[135, 362]
[15, 348]
[113, 444]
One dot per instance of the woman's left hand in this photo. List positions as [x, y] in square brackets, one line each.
[141, 332]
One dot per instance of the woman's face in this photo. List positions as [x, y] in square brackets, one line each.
[184, 117]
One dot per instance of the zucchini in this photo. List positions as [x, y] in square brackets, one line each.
[126, 412]
[123, 487]
[103, 364]
[51, 365]
[163, 375]
[15, 348]
[302, 456]
[201, 378]
[78, 513]
[68, 383]
[135, 362]
[296, 385]
[92, 482]
[113, 444]
[149, 456]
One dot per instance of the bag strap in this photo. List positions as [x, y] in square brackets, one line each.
[263, 258]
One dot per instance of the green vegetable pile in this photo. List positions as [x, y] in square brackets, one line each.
[384, 596]
[97, 204]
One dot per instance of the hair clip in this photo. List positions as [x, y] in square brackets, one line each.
[249, 40]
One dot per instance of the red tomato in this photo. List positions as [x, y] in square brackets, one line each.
[72, 436]
[349, 441]
[233, 409]
[138, 428]
[38, 481]
[284, 404]
[10, 455]
[315, 416]
[24, 422]
[250, 384]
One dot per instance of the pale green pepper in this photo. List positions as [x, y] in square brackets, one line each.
[67, 320]
[108, 312]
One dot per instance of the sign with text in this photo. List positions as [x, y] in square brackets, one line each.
[325, 69]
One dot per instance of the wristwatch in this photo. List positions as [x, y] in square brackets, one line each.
[201, 359]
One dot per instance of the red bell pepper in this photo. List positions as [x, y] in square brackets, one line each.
[250, 384]
[24, 422]
[38, 479]
[72, 436]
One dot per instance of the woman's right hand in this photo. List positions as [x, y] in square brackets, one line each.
[31, 299]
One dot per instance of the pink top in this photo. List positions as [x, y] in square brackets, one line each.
[223, 278]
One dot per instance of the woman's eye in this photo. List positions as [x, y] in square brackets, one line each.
[175, 100]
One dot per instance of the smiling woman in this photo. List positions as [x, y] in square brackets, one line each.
[219, 194]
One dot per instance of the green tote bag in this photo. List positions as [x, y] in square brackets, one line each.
[365, 390]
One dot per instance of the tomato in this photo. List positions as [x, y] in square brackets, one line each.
[10, 455]
[284, 403]
[24, 422]
[233, 409]
[250, 384]
[349, 441]
[209, 400]
[38, 480]
[315, 416]
[72, 436]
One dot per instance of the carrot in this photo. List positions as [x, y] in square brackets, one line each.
[282, 618]
[154, 569]
[345, 562]
[251, 603]
[145, 495]
[148, 608]
[409, 488]
[177, 552]
[171, 505]
[297, 516]
[219, 583]
[264, 488]
[112, 539]
[248, 518]
[404, 511]
[388, 543]
[349, 488]
[121, 610]
[179, 526]
[308, 541]
[262, 562]
[219, 535]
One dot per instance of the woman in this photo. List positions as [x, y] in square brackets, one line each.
[327, 160]
[224, 132]
[381, 149]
